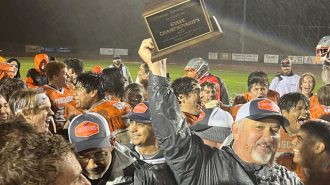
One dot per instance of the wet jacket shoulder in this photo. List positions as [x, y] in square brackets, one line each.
[193, 162]
[121, 170]
[152, 171]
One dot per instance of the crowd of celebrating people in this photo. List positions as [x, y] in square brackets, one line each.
[62, 125]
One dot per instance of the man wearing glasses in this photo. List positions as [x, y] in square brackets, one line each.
[103, 160]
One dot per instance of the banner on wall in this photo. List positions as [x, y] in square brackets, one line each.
[245, 57]
[107, 51]
[121, 51]
[297, 59]
[251, 57]
[213, 56]
[225, 56]
[237, 56]
[271, 59]
[33, 48]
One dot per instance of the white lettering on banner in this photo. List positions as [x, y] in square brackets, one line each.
[269, 58]
[251, 57]
[225, 56]
[121, 51]
[245, 57]
[296, 59]
[33, 48]
[237, 56]
[107, 51]
[213, 56]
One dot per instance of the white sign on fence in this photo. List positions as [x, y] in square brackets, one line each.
[245, 57]
[213, 56]
[225, 56]
[107, 51]
[121, 51]
[269, 58]
[296, 59]
[237, 56]
[33, 48]
[251, 57]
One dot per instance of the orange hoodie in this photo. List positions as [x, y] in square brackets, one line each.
[38, 59]
[32, 73]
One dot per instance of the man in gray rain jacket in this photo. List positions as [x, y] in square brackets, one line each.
[245, 161]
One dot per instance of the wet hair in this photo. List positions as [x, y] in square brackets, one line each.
[18, 75]
[184, 85]
[287, 101]
[25, 100]
[302, 78]
[144, 82]
[323, 95]
[27, 157]
[114, 81]
[134, 89]
[320, 130]
[75, 64]
[210, 85]
[239, 99]
[91, 81]
[53, 68]
[52, 59]
[257, 77]
[8, 86]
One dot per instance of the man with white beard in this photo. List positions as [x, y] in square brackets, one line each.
[323, 55]
[246, 161]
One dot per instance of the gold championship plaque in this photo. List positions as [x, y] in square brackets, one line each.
[177, 24]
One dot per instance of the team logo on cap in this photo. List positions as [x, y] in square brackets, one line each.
[86, 129]
[140, 108]
[119, 105]
[267, 105]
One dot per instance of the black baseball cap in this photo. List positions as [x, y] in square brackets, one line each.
[116, 56]
[286, 62]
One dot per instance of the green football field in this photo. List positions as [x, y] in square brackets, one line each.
[235, 78]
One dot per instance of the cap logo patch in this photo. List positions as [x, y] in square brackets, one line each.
[86, 129]
[267, 105]
[119, 105]
[140, 108]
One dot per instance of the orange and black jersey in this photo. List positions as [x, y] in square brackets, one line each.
[59, 99]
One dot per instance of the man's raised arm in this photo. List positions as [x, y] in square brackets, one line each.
[174, 137]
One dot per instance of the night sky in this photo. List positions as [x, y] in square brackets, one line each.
[279, 26]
